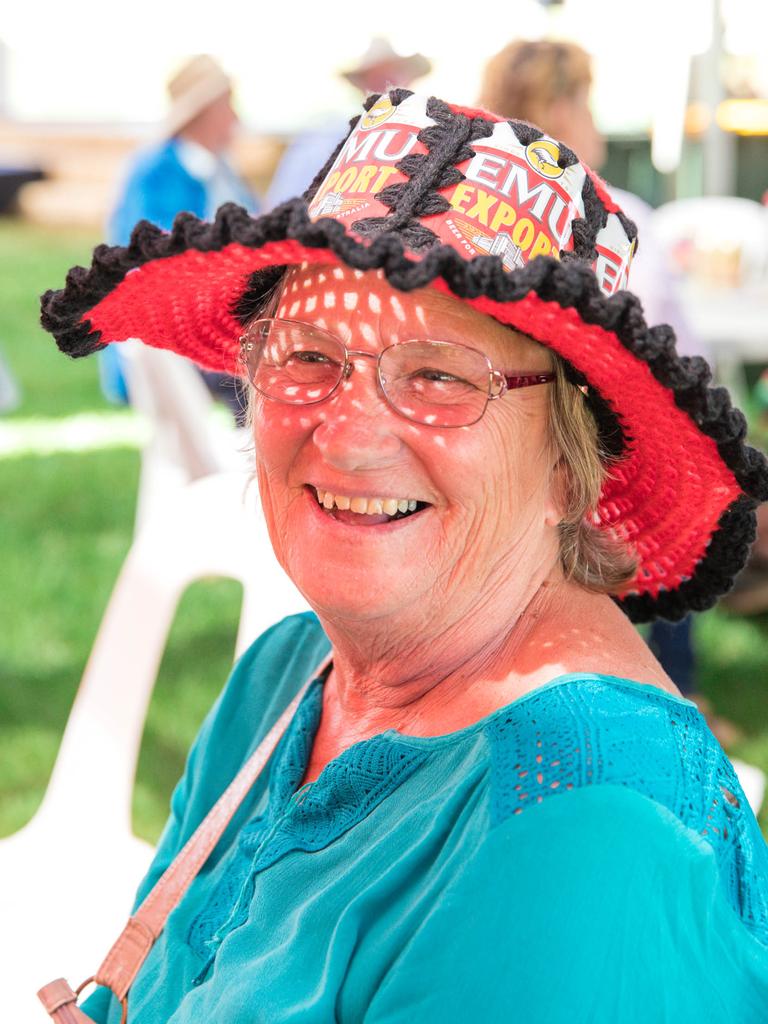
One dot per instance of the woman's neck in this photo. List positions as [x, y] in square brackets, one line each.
[433, 682]
[396, 660]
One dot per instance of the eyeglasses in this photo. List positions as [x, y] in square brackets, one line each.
[439, 383]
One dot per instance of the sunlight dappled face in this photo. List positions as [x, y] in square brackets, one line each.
[486, 487]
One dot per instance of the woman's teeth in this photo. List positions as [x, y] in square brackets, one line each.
[366, 506]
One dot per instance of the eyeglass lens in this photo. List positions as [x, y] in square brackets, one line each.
[433, 382]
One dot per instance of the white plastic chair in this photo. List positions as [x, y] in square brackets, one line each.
[752, 780]
[711, 223]
[187, 441]
[68, 878]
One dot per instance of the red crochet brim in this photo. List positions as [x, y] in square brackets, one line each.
[672, 497]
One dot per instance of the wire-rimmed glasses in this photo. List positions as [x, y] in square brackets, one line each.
[439, 383]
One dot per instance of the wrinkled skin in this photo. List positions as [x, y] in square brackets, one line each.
[488, 484]
[438, 619]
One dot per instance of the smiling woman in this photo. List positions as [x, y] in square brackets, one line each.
[478, 464]
[369, 435]
[420, 364]
[436, 383]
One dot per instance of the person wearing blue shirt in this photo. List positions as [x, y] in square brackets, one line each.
[186, 170]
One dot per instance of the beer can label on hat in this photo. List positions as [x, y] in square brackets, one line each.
[367, 162]
[514, 201]
[614, 256]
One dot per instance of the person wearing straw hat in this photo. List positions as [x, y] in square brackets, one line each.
[480, 465]
[380, 67]
[187, 169]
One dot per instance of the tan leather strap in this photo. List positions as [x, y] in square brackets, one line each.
[60, 1002]
[126, 956]
[57, 994]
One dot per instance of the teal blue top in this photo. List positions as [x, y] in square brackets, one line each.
[584, 854]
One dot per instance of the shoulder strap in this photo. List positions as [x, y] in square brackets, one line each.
[129, 952]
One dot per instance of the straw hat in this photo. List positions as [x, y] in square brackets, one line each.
[511, 222]
[196, 84]
[380, 54]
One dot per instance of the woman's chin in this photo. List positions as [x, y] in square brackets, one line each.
[355, 592]
[359, 569]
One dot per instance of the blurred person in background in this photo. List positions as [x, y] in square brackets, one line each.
[548, 83]
[379, 68]
[186, 170]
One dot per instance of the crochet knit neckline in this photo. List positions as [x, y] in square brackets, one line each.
[564, 679]
[686, 771]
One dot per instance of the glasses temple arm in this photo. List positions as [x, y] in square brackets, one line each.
[527, 380]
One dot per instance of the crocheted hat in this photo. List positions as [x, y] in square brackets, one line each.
[507, 219]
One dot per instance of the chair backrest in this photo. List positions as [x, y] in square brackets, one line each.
[213, 527]
[171, 393]
[186, 441]
[67, 878]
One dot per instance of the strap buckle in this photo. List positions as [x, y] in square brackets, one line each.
[123, 1001]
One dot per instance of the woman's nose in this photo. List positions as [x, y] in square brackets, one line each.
[359, 428]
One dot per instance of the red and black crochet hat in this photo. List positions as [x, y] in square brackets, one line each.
[510, 221]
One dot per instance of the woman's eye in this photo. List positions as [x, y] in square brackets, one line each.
[310, 357]
[440, 377]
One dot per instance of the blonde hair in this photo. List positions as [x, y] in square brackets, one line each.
[525, 78]
[588, 554]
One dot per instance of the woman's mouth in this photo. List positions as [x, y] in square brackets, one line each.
[362, 510]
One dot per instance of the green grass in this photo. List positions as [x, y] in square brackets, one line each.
[67, 525]
[32, 260]
[733, 674]
[64, 538]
